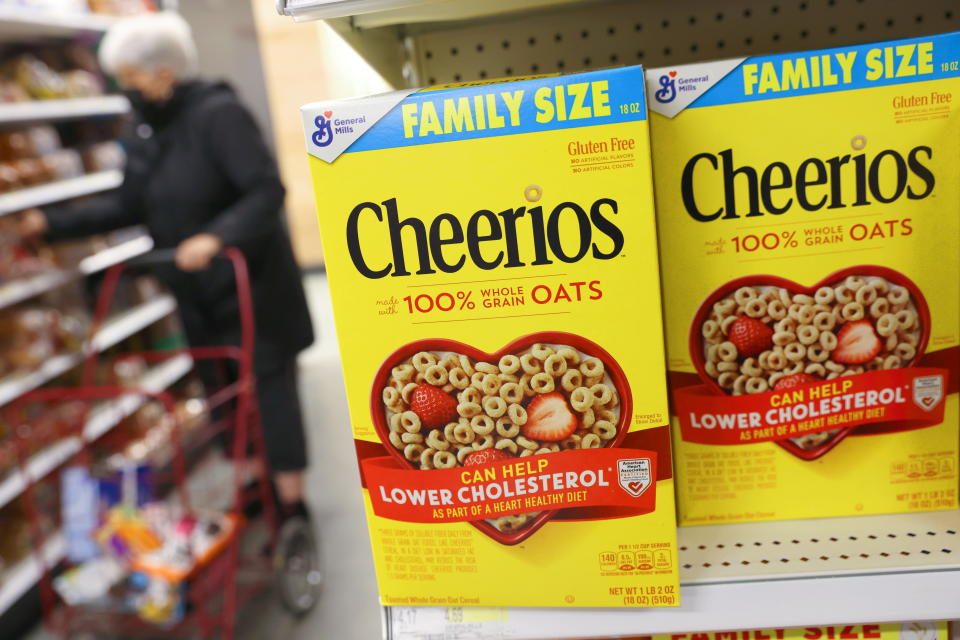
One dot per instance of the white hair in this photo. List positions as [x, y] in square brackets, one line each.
[149, 42]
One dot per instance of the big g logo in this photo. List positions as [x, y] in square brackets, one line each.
[323, 136]
[668, 88]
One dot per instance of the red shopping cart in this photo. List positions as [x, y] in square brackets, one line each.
[244, 548]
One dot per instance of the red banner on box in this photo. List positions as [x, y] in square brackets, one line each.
[904, 399]
[546, 482]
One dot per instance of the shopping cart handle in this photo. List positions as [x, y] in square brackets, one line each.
[162, 256]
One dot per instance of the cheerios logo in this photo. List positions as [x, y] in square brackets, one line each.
[323, 136]
[668, 88]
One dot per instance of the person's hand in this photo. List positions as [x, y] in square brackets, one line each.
[32, 225]
[196, 252]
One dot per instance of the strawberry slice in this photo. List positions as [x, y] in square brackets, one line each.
[795, 380]
[857, 342]
[550, 418]
[434, 407]
[485, 456]
[750, 336]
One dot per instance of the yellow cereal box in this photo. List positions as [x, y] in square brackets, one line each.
[491, 251]
[904, 631]
[808, 220]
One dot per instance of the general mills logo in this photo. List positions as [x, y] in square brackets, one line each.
[323, 136]
[668, 88]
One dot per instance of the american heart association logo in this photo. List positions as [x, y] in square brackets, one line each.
[635, 475]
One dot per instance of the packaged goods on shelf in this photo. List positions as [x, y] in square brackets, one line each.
[807, 220]
[497, 305]
[903, 631]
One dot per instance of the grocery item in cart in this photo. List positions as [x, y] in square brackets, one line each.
[498, 312]
[810, 279]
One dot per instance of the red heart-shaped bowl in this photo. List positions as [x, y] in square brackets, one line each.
[581, 344]
[894, 277]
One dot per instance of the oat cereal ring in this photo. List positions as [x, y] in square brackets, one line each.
[898, 295]
[541, 351]
[727, 351]
[530, 364]
[411, 437]
[512, 393]
[458, 378]
[783, 338]
[542, 383]
[876, 363]
[804, 314]
[570, 355]
[436, 441]
[757, 385]
[892, 362]
[469, 409]
[403, 372]
[824, 321]
[590, 441]
[910, 338]
[542, 450]
[795, 351]
[892, 341]
[506, 443]
[802, 298]
[816, 369]
[605, 414]
[491, 384]
[592, 367]
[905, 351]
[508, 524]
[588, 418]
[776, 309]
[786, 324]
[723, 367]
[470, 395]
[450, 361]
[614, 401]
[726, 379]
[410, 422]
[390, 396]
[602, 393]
[527, 444]
[740, 385]
[571, 380]
[481, 425]
[486, 367]
[426, 459]
[755, 308]
[395, 440]
[494, 406]
[517, 414]
[854, 282]
[509, 364]
[906, 319]
[507, 429]
[762, 360]
[823, 295]
[725, 306]
[573, 442]
[743, 295]
[774, 377]
[466, 365]
[506, 378]
[422, 360]
[464, 433]
[842, 294]
[555, 365]
[880, 307]
[448, 431]
[581, 399]
[828, 340]
[852, 311]
[712, 355]
[407, 392]
[395, 424]
[476, 380]
[807, 334]
[444, 460]
[816, 353]
[412, 452]
[797, 367]
[833, 367]
[750, 367]
[887, 325]
[726, 323]
[866, 295]
[484, 442]
[435, 375]
[525, 452]
[606, 430]
[848, 372]
[879, 284]
[777, 360]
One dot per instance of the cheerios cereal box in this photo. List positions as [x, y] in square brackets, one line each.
[809, 219]
[491, 253]
[903, 631]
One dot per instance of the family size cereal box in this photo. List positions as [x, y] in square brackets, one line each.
[903, 631]
[809, 221]
[491, 251]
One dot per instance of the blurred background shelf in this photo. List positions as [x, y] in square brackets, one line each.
[26, 573]
[19, 23]
[58, 191]
[59, 110]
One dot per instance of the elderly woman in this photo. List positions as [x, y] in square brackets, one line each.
[200, 177]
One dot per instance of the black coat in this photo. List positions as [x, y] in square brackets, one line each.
[201, 167]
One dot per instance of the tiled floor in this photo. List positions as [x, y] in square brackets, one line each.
[348, 608]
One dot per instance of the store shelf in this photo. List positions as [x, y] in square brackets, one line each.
[22, 289]
[17, 23]
[101, 420]
[377, 13]
[58, 191]
[771, 574]
[117, 329]
[57, 110]
[22, 576]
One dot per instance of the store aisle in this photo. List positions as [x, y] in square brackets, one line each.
[348, 608]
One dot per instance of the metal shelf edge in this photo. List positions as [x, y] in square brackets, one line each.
[59, 191]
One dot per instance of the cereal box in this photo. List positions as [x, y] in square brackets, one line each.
[904, 631]
[491, 252]
[808, 219]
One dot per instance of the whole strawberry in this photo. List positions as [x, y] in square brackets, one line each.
[750, 336]
[795, 380]
[434, 407]
[485, 456]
